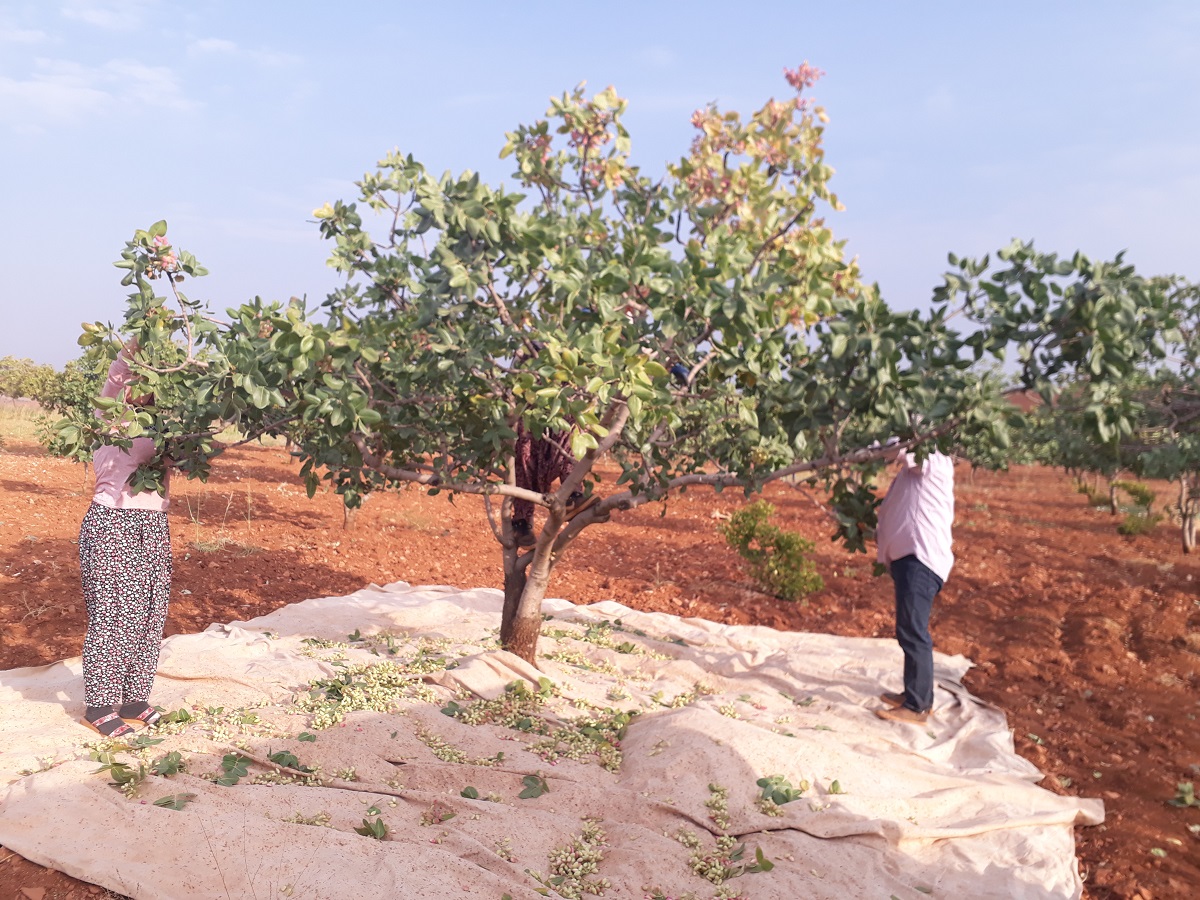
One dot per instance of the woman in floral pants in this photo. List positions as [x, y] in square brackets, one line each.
[125, 565]
[539, 463]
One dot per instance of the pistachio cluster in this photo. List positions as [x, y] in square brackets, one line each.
[718, 806]
[378, 686]
[582, 661]
[322, 819]
[573, 866]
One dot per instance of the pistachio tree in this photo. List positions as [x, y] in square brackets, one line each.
[1168, 441]
[1115, 355]
[22, 378]
[699, 327]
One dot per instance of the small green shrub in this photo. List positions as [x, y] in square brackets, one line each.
[1138, 523]
[1185, 795]
[1141, 495]
[1094, 497]
[779, 560]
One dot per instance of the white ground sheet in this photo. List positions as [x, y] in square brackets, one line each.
[888, 810]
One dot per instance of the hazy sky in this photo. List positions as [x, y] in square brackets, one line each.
[955, 126]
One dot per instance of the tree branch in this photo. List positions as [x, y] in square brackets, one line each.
[373, 461]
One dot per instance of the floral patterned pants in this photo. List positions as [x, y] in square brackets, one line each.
[539, 463]
[125, 564]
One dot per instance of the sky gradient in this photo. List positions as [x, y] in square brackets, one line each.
[954, 127]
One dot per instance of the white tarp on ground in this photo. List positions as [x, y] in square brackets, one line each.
[944, 810]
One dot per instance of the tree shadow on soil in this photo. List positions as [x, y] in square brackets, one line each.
[220, 586]
[26, 450]
[223, 506]
[25, 487]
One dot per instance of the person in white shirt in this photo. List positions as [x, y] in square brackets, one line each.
[913, 539]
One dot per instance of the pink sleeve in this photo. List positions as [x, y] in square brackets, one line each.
[119, 376]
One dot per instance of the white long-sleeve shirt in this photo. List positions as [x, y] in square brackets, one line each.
[916, 516]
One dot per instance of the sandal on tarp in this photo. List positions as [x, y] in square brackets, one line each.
[139, 713]
[109, 725]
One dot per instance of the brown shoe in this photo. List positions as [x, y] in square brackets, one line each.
[892, 700]
[903, 714]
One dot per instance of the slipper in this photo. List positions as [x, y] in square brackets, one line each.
[139, 713]
[109, 726]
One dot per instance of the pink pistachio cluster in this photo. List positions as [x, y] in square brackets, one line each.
[589, 131]
[714, 138]
[539, 146]
[717, 137]
[772, 154]
[803, 76]
[775, 114]
[165, 260]
[706, 183]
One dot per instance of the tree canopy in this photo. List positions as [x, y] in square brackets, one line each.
[699, 327]
[1114, 353]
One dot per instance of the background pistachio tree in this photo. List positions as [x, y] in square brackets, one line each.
[1167, 442]
[1113, 353]
[698, 328]
[22, 378]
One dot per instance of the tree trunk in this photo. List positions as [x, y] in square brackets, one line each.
[349, 514]
[1187, 505]
[524, 589]
[1112, 498]
[514, 587]
[521, 624]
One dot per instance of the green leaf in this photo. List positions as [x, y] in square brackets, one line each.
[581, 442]
[470, 793]
[306, 736]
[761, 863]
[373, 828]
[535, 786]
[259, 396]
[286, 759]
[168, 765]
[235, 767]
[175, 801]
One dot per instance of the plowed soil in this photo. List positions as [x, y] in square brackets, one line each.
[1090, 641]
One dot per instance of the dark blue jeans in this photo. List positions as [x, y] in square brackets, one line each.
[916, 586]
